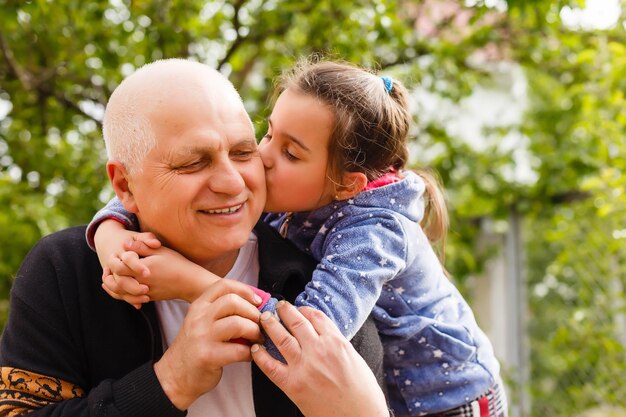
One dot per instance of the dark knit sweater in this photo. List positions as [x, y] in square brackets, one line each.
[68, 349]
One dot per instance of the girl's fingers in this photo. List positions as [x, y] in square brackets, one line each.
[112, 286]
[134, 301]
[144, 247]
[149, 239]
[132, 261]
[106, 282]
[118, 267]
[106, 271]
[125, 285]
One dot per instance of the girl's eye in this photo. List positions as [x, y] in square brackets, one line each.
[267, 137]
[290, 156]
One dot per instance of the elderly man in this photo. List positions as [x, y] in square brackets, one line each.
[183, 158]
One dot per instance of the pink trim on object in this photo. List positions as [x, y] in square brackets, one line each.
[91, 232]
[386, 179]
[265, 296]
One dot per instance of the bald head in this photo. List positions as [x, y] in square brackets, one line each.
[144, 96]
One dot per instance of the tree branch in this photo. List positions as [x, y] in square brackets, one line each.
[60, 97]
[260, 36]
[24, 77]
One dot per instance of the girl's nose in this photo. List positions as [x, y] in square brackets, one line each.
[266, 154]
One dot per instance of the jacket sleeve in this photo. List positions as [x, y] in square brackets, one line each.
[358, 259]
[113, 210]
[25, 392]
[44, 367]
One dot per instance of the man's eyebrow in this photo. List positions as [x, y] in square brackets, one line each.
[190, 150]
[207, 150]
[292, 138]
[247, 141]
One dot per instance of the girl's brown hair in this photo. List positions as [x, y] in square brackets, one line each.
[371, 127]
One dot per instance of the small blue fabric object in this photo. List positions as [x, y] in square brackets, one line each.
[388, 83]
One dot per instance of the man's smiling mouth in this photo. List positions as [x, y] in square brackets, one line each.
[226, 210]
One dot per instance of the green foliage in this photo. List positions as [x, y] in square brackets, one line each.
[577, 282]
[577, 262]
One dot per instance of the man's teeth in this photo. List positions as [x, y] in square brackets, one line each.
[224, 210]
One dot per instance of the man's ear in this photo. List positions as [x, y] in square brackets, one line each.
[352, 183]
[119, 178]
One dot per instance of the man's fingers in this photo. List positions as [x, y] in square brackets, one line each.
[227, 353]
[232, 304]
[286, 344]
[275, 370]
[320, 321]
[234, 327]
[228, 286]
[296, 323]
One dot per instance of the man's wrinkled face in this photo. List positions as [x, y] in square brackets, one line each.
[202, 188]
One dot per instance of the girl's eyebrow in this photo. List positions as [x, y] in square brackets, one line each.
[292, 138]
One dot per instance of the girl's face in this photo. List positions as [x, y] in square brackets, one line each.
[295, 154]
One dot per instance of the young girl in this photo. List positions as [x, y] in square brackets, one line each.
[335, 155]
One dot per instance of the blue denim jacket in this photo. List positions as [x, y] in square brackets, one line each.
[374, 258]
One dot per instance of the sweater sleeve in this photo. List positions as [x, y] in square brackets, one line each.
[45, 368]
[113, 210]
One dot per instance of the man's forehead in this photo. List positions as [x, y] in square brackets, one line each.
[211, 145]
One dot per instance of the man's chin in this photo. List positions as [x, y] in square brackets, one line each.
[222, 246]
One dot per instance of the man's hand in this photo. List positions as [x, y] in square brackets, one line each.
[193, 364]
[324, 375]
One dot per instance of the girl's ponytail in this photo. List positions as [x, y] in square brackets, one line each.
[435, 221]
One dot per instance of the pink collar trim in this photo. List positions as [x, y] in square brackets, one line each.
[386, 179]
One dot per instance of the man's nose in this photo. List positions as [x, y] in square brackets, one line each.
[227, 179]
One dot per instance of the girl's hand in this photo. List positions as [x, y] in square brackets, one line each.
[170, 275]
[121, 277]
[121, 267]
[125, 288]
[111, 240]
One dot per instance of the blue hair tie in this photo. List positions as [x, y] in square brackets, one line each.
[388, 81]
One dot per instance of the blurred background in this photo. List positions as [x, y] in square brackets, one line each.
[518, 105]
